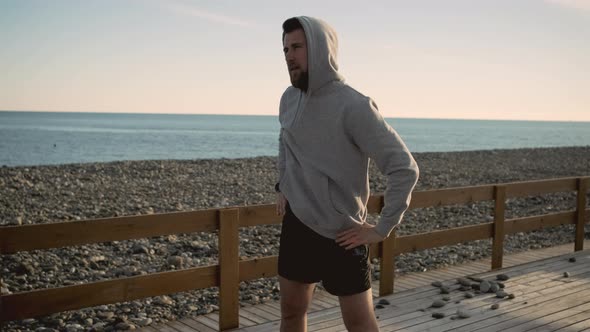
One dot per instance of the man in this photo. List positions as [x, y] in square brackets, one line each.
[328, 133]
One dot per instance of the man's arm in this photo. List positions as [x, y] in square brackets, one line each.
[281, 200]
[381, 143]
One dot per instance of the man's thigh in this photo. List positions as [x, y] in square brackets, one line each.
[357, 311]
[295, 296]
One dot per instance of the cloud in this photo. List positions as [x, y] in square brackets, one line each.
[574, 4]
[183, 9]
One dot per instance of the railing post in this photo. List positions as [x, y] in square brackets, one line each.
[229, 276]
[387, 265]
[581, 213]
[498, 241]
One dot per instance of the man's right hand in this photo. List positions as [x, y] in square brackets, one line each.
[281, 204]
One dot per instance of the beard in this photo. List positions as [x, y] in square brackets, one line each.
[301, 82]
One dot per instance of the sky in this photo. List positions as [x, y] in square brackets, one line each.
[469, 59]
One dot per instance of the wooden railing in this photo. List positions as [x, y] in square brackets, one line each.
[230, 270]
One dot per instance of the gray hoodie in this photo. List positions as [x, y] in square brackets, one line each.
[327, 136]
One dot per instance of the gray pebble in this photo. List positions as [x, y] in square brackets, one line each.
[572, 259]
[464, 282]
[501, 294]
[446, 298]
[125, 326]
[445, 290]
[438, 315]
[511, 296]
[566, 274]
[494, 288]
[495, 306]
[379, 306]
[469, 295]
[438, 304]
[484, 286]
[437, 284]
[383, 302]
[476, 279]
[463, 313]
[502, 277]
[176, 261]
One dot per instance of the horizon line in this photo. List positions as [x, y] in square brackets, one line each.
[275, 115]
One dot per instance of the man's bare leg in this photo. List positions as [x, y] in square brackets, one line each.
[295, 300]
[358, 313]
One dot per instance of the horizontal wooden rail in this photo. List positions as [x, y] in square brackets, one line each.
[47, 301]
[56, 235]
[461, 195]
[539, 222]
[264, 267]
[411, 243]
[539, 187]
[258, 215]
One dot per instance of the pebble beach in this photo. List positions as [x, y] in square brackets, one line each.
[46, 194]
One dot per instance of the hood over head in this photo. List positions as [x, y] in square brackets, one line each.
[322, 52]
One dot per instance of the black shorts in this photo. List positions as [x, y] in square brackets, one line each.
[308, 257]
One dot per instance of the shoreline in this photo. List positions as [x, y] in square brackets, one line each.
[4, 166]
[55, 193]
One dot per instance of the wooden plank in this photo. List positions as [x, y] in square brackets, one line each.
[179, 326]
[271, 307]
[387, 265]
[267, 314]
[580, 212]
[207, 321]
[166, 328]
[411, 243]
[229, 274]
[498, 237]
[47, 301]
[550, 314]
[197, 326]
[245, 320]
[461, 195]
[539, 187]
[531, 223]
[583, 325]
[254, 310]
[56, 235]
[264, 267]
[255, 215]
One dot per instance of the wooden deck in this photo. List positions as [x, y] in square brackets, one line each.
[545, 300]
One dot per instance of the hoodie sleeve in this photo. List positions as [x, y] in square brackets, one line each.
[281, 162]
[380, 142]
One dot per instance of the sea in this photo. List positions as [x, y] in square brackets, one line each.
[53, 138]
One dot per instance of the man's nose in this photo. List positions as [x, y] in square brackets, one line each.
[289, 55]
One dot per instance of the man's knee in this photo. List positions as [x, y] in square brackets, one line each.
[293, 309]
[360, 324]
